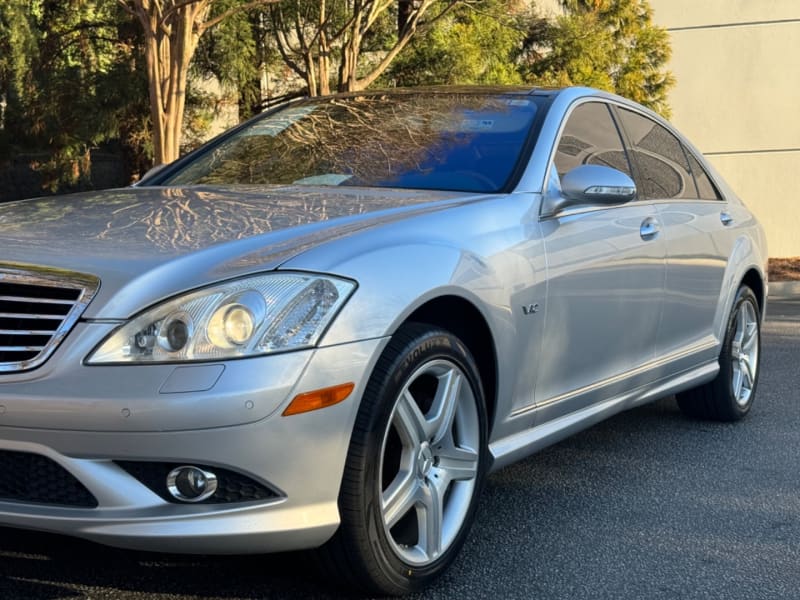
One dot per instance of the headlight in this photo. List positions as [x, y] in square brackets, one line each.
[275, 312]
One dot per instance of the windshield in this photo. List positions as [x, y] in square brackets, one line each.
[462, 142]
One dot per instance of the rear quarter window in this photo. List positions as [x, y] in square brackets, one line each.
[705, 187]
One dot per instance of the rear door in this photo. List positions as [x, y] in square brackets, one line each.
[694, 218]
[605, 269]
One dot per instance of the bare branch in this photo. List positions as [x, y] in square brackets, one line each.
[211, 22]
[136, 11]
[177, 6]
[127, 8]
[284, 46]
[412, 26]
[375, 11]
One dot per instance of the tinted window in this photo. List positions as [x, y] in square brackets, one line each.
[590, 137]
[465, 142]
[705, 188]
[663, 168]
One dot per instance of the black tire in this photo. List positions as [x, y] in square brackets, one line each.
[387, 559]
[722, 399]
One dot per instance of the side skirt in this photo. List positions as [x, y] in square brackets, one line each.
[508, 450]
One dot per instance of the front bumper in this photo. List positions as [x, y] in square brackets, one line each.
[300, 457]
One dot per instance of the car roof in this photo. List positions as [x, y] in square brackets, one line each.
[445, 89]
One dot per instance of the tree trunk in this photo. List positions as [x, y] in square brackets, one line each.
[172, 29]
[306, 45]
[348, 81]
[324, 53]
[169, 48]
[154, 78]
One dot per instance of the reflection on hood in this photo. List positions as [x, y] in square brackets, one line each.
[142, 221]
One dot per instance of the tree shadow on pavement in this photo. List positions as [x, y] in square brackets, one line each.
[44, 566]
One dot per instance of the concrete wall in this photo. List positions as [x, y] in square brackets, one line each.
[737, 65]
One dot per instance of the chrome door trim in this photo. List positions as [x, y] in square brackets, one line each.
[648, 366]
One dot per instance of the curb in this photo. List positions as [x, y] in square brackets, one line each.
[785, 290]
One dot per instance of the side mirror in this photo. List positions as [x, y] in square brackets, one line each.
[589, 184]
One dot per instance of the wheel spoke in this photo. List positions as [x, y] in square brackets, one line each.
[444, 405]
[750, 337]
[430, 514]
[737, 380]
[741, 323]
[458, 464]
[409, 421]
[400, 497]
[744, 352]
[747, 371]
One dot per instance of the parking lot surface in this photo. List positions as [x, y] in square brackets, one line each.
[646, 505]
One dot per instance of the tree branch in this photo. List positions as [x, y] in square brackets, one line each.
[284, 47]
[136, 11]
[403, 39]
[211, 22]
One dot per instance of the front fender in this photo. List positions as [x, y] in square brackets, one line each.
[391, 288]
[485, 252]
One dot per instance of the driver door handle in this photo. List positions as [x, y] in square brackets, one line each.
[649, 228]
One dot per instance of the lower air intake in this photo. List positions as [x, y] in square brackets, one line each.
[26, 477]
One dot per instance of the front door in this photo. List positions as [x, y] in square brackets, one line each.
[605, 272]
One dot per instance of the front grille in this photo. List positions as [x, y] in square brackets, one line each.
[37, 309]
[26, 477]
[231, 486]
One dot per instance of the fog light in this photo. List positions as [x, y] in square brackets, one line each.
[191, 484]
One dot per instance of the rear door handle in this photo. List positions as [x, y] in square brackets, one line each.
[649, 228]
[726, 218]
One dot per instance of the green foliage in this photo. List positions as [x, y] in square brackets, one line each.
[17, 44]
[608, 44]
[234, 52]
[70, 81]
[471, 45]
[72, 73]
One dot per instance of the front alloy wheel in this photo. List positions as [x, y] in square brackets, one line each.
[415, 466]
[429, 462]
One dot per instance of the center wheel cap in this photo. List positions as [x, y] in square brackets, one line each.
[425, 460]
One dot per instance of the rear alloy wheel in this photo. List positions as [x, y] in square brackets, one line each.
[731, 394]
[415, 466]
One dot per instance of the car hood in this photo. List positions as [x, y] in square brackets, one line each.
[148, 243]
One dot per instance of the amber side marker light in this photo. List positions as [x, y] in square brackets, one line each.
[318, 399]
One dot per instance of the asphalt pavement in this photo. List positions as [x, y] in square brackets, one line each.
[648, 504]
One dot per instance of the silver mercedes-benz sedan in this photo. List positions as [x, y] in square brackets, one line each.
[325, 328]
